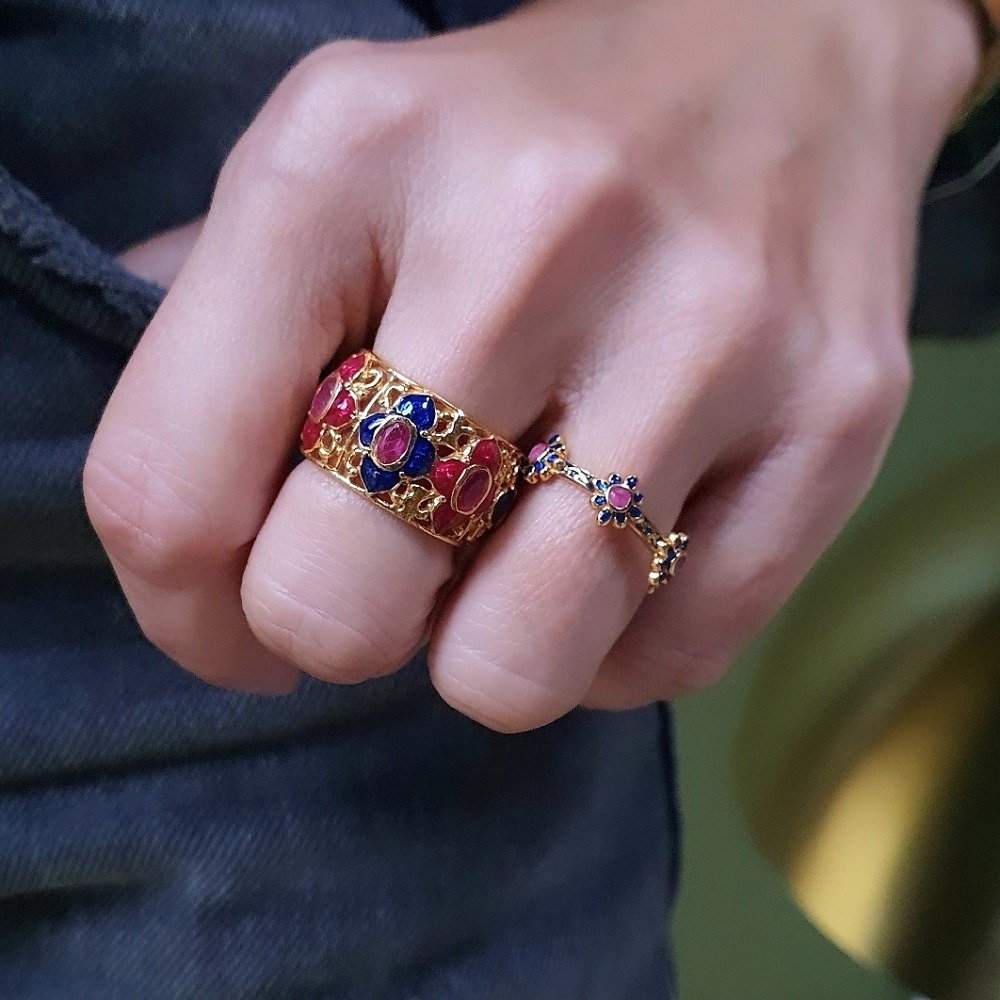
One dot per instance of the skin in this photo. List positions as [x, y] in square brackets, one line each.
[679, 233]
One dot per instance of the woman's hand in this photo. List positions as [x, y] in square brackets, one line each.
[679, 233]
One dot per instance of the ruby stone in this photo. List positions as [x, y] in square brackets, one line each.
[536, 453]
[393, 441]
[323, 399]
[620, 497]
[473, 489]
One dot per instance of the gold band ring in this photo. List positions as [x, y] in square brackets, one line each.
[617, 501]
[410, 451]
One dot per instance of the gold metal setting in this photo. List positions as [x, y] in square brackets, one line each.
[442, 472]
[617, 502]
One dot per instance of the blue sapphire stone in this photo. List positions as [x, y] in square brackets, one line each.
[598, 500]
[377, 480]
[631, 481]
[368, 428]
[635, 512]
[604, 516]
[419, 409]
[421, 459]
[615, 480]
[619, 516]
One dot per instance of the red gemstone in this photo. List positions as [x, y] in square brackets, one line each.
[392, 443]
[444, 519]
[351, 366]
[473, 489]
[342, 409]
[620, 497]
[444, 474]
[310, 435]
[324, 397]
[487, 453]
[536, 453]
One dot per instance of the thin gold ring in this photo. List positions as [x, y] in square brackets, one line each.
[618, 504]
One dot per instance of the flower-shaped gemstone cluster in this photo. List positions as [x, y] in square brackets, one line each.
[544, 459]
[395, 443]
[617, 500]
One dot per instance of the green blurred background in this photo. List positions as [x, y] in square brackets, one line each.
[739, 937]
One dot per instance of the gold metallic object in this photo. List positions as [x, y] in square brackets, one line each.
[410, 451]
[617, 503]
[868, 762]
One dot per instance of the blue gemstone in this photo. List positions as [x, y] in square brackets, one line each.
[620, 516]
[598, 500]
[604, 516]
[368, 428]
[421, 459]
[601, 484]
[616, 479]
[539, 465]
[635, 512]
[637, 497]
[419, 409]
[554, 439]
[550, 458]
[503, 506]
[631, 481]
[377, 480]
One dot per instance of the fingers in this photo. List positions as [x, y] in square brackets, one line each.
[755, 532]
[335, 583]
[198, 434]
[521, 640]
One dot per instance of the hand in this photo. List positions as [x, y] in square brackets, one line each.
[679, 233]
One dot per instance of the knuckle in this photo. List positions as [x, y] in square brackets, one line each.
[575, 176]
[141, 519]
[341, 105]
[867, 391]
[320, 643]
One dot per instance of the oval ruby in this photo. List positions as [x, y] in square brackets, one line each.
[620, 497]
[473, 488]
[393, 441]
[536, 453]
[323, 399]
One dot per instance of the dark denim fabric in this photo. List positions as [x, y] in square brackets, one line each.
[162, 840]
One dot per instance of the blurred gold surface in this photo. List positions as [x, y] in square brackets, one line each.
[868, 761]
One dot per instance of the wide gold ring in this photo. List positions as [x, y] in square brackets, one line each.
[618, 504]
[410, 451]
